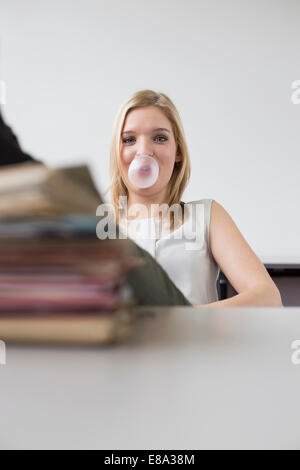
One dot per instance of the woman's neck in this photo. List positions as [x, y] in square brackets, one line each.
[148, 207]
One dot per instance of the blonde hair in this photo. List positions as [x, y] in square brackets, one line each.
[182, 169]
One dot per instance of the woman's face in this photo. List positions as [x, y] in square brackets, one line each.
[140, 136]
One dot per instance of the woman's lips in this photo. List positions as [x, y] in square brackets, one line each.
[145, 169]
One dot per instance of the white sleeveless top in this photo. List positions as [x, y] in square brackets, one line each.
[183, 253]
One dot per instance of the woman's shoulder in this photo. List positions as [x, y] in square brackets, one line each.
[203, 200]
[206, 202]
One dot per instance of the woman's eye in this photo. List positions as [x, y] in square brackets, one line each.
[162, 137]
[126, 141]
[129, 139]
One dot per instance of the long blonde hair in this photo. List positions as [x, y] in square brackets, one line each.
[182, 169]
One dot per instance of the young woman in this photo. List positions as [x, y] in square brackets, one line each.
[148, 124]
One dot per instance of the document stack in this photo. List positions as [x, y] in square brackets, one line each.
[59, 283]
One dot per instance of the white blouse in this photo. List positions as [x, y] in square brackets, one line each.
[183, 253]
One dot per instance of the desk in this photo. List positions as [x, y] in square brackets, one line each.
[188, 378]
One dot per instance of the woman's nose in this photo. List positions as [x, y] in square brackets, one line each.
[144, 148]
[140, 154]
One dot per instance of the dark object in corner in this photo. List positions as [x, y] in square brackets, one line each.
[10, 150]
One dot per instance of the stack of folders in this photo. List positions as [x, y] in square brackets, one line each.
[59, 283]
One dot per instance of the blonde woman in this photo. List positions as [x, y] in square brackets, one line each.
[148, 124]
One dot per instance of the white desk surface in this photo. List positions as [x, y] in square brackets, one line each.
[188, 379]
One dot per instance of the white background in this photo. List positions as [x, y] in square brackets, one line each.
[228, 66]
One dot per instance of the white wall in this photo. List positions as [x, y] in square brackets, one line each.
[228, 65]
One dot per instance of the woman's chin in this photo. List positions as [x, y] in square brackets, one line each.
[148, 189]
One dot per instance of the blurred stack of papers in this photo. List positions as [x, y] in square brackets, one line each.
[58, 282]
[30, 190]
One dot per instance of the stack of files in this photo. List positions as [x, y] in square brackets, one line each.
[33, 190]
[58, 282]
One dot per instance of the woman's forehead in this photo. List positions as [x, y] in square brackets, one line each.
[147, 118]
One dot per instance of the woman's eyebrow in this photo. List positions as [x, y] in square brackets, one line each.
[157, 129]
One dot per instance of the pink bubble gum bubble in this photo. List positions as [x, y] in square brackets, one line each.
[143, 171]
